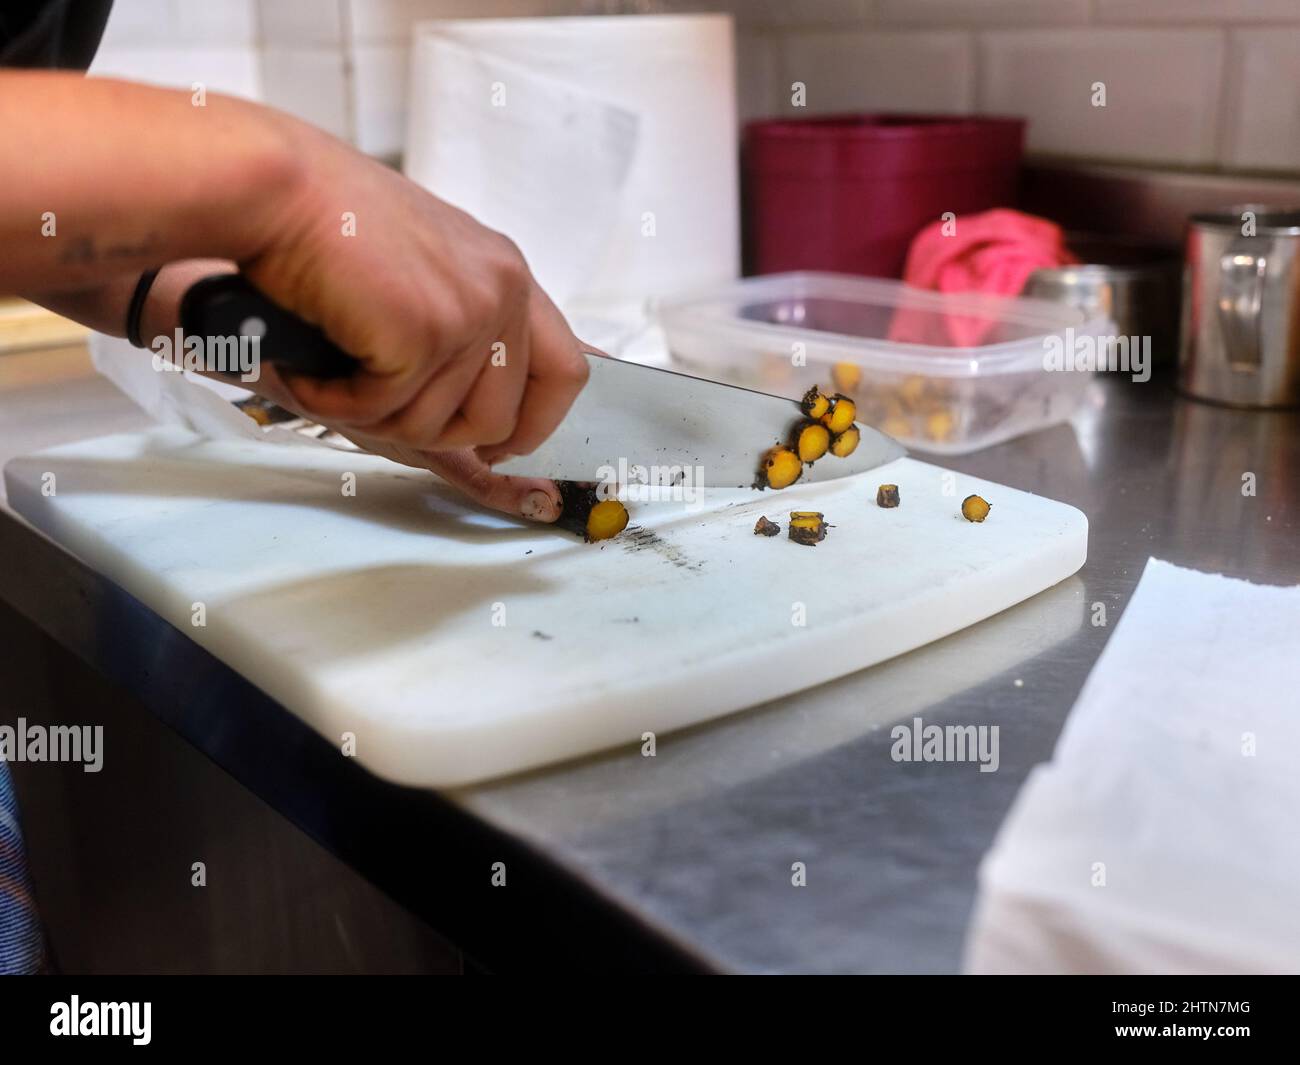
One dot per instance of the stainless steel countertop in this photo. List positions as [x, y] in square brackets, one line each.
[702, 837]
[695, 846]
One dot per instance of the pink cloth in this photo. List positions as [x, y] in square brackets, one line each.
[992, 253]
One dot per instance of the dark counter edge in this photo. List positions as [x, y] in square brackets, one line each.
[426, 852]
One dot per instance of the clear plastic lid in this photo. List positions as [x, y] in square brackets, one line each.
[879, 324]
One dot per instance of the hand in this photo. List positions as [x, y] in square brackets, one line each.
[529, 497]
[533, 498]
[458, 345]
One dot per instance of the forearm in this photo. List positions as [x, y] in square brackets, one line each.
[103, 306]
[152, 179]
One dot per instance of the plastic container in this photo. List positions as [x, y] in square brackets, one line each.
[849, 192]
[938, 372]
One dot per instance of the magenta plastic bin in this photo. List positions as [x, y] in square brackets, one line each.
[848, 192]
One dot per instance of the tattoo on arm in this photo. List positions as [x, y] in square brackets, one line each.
[86, 251]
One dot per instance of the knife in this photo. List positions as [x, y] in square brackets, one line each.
[645, 424]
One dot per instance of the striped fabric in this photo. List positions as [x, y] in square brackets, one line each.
[21, 941]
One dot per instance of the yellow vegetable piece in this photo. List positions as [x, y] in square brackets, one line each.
[973, 508]
[841, 415]
[585, 513]
[811, 440]
[807, 527]
[847, 376]
[939, 425]
[912, 389]
[814, 404]
[847, 442]
[607, 518]
[780, 468]
[896, 426]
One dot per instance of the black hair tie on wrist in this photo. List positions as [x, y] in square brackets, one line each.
[136, 306]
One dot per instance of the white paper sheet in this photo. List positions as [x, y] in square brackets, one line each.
[1164, 835]
[184, 399]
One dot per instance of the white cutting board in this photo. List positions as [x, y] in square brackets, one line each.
[456, 645]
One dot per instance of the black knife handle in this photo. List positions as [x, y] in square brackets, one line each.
[226, 305]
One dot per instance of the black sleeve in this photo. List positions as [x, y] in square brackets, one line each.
[59, 34]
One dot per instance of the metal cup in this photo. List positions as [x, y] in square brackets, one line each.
[1240, 336]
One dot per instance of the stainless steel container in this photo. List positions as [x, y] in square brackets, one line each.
[1240, 337]
[1134, 283]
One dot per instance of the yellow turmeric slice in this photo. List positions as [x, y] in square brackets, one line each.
[780, 468]
[814, 404]
[847, 376]
[807, 527]
[811, 439]
[841, 415]
[585, 513]
[974, 508]
[843, 445]
[607, 518]
[896, 425]
[939, 425]
[912, 390]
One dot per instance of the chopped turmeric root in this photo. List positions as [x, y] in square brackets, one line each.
[811, 440]
[974, 508]
[887, 496]
[587, 514]
[763, 527]
[814, 404]
[841, 414]
[607, 519]
[780, 468]
[843, 445]
[807, 527]
[939, 425]
[847, 376]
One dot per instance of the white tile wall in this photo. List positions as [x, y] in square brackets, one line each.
[136, 24]
[1262, 120]
[983, 12]
[301, 23]
[379, 86]
[311, 83]
[176, 43]
[757, 82]
[390, 21]
[1191, 82]
[787, 13]
[1184, 11]
[1163, 90]
[878, 71]
[233, 71]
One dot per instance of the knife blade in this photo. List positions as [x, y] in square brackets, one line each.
[631, 423]
[631, 418]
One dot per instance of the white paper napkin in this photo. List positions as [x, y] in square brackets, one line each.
[1164, 835]
[186, 399]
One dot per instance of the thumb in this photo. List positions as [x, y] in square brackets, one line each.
[533, 498]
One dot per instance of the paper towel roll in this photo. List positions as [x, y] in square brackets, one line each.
[604, 146]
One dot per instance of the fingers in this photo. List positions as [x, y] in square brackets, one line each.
[420, 424]
[404, 339]
[490, 412]
[362, 400]
[528, 497]
[557, 371]
[466, 391]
